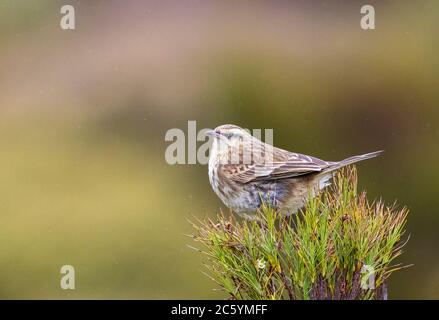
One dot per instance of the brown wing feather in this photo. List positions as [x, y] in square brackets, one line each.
[283, 165]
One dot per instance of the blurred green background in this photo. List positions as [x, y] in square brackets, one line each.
[83, 115]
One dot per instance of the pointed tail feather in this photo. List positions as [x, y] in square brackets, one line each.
[351, 160]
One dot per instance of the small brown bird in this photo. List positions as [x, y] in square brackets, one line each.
[245, 172]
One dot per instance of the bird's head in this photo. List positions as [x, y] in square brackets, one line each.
[229, 132]
[230, 140]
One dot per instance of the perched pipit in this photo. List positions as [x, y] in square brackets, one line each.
[245, 172]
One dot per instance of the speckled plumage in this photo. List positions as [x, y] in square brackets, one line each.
[244, 172]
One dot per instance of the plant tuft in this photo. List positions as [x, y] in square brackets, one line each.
[339, 246]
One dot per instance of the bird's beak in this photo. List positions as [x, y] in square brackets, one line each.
[212, 133]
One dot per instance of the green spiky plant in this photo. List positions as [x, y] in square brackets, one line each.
[339, 246]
